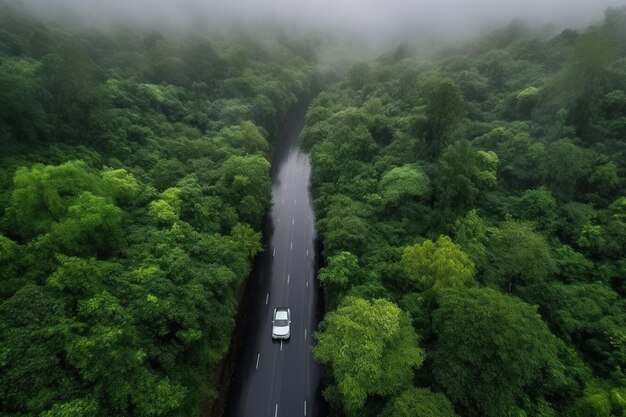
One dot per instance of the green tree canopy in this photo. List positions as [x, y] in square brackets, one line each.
[439, 264]
[403, 183]
[444, 110]
[463, 172]
[517, 256]
[340, 272]
[493, 355]
[419, 402]
[370, 348]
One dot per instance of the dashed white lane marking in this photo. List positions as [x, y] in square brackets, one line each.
[288, 275]
[307, 252]
[276, 411]
[258, 356]
[292, 221]
[267, 298]
[307, 284]
[283, 201]
[291, 246]
[304, 334]
[274, 253]
[305, 407]
[295, 201]
[281, 345]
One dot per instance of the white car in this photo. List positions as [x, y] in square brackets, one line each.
[281, 323]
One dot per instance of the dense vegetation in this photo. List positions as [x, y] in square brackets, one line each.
[472, 211]
[134, 175]
[471, 208]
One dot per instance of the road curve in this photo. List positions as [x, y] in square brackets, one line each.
[274, 379]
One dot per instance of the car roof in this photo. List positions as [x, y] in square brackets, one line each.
[281, 314]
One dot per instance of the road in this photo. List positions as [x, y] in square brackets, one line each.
[277, 379]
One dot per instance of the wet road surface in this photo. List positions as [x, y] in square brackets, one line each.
[279, 379]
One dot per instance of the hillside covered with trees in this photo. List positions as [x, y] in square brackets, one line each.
[472, 213]
[134, 175]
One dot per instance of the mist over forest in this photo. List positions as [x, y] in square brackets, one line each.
[369, 19]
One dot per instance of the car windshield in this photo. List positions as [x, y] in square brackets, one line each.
[280, 323]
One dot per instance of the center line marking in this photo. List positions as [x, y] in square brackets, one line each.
[258, 356]
[267, 298]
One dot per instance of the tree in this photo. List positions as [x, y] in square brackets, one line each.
[463, 173]
[21, 111]
[493, 355]
[344, 226]
[370, 348]
[444, 111]
[598, 402]
[92, 227]
[589, 315]
[518, 154]
[470, 232]
[576, 88]
[247, 237]
[340, 272]
[419, 402]
[245, 136]
[120, 185]
[563, 166]
[11, 258]
[518, 256]
[42, 194]
[75, 99]
[440, 264]
[402, 184]
[538, 206]
[592, 55]
[76, 408]
[34, 370]
[244, 182]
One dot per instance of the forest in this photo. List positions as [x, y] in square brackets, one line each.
[134, 177]
[470, 206]
[472, 213]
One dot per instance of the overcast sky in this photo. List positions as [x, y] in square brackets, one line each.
[365, 17]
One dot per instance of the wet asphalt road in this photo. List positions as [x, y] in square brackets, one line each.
[274, 379]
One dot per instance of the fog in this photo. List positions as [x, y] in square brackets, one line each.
[369, 19]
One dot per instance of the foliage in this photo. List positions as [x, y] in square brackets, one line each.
[419, 402]
[371, 349]
[135, 175]
[518, 256]
[513, 145]
[439, 264]
[488, 366]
